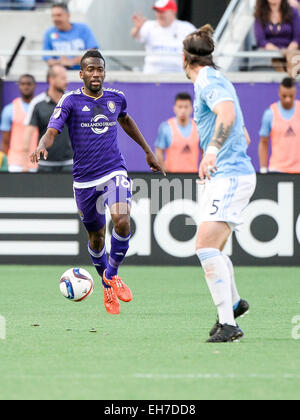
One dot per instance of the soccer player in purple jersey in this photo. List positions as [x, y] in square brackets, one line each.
[100, 173]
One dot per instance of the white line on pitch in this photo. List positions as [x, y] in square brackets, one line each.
[215, 376]
[193, 376]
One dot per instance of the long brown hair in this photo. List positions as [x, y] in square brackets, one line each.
[263, 10]
[199, 47]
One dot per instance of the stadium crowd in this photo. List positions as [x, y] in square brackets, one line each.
[277, 28]
[22, 4]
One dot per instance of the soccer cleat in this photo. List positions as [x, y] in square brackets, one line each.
[240, 311]
[215, 328]
[227, 334]
[111, 302]
[121, 290]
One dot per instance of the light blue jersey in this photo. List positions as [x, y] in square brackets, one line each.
[165, 136]
[7, 116]
[212, 88]
[268, 119]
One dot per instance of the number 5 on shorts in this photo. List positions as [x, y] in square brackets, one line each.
[216, 207]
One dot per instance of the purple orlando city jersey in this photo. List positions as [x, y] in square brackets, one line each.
[92, 126]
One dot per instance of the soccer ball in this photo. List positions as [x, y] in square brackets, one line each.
[76, 284]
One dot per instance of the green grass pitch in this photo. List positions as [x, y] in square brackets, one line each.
[156, 348]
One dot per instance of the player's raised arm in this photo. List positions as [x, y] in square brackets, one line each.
[46, 142]
[132, 130]
[226, 117]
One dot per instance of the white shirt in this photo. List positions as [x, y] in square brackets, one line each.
[158, 39]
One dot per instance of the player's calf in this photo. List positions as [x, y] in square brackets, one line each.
[97, 240]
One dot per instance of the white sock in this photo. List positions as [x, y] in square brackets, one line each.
[217, 276]
[235, 294]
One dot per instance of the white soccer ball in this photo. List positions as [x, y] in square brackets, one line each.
[76, 284]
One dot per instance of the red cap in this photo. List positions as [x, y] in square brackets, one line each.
[163, 5]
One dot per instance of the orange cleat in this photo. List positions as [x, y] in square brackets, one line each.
[121, 290]
[111, 302]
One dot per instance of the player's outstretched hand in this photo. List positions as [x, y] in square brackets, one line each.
[208, 167]
[36, 155]
[153, 163]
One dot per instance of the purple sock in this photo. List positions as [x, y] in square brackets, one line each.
[119, 248]
[100, 261]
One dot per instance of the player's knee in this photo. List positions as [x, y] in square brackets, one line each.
[199, 245]
[122, 225]
[202, 243]
[97, 240]
[202, 239]
[209, 241]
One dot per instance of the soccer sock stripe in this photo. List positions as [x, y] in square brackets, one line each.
[113, 263]
[120, 238]
[96, 254]
[218, 280]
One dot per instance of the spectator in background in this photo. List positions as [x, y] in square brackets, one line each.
[178, 145]
[17, 4]
[3, 163]
[281, 125]
[277, 28]
[60, 158]
[164, 35]
[12, 127]
[67, 36]
[295, 4]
